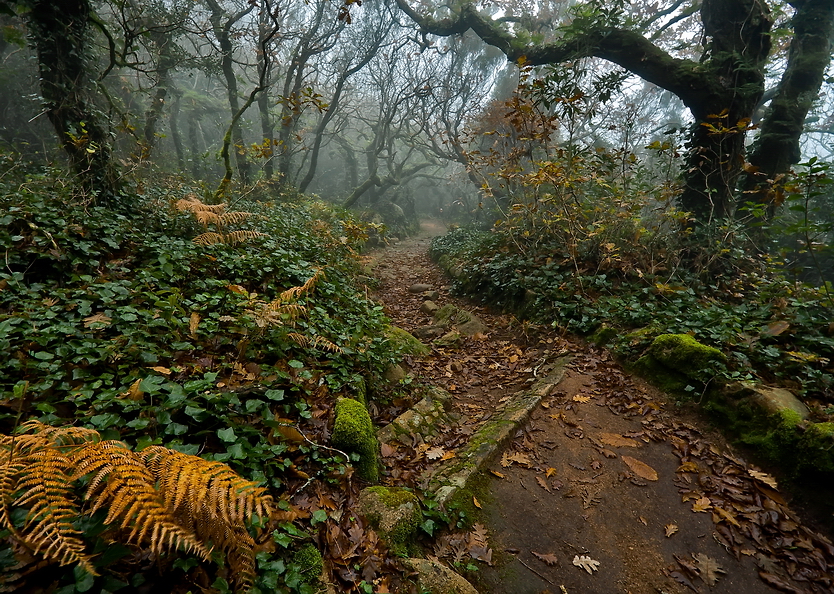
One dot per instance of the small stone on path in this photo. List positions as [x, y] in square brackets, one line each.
[419, 288]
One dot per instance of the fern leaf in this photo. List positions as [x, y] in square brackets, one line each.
[194, 204]
[211, 500]
[322, 343]
[47, 491]
[206, 217]
[236, 237]
[230, 218]
[123, 483]
[209, 238]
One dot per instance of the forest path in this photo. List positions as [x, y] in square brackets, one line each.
[605, 470]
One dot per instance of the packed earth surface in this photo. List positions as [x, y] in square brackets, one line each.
[608, 486]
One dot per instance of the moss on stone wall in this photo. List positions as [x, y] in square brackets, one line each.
[684, 354]
[354, 432]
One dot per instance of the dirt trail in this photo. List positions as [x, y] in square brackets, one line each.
[603, 472]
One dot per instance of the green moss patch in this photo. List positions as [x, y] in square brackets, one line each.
[404, 342]
[395, 513]
[684, 354]
[354, 432]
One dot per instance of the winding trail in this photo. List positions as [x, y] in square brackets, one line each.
[607, 488]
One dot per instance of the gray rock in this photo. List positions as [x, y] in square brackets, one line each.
[465, 322]
[431, 295]
[433, 576]
[429, 307]
[775, 400]
[428, 331]
[419, 288]
[451, 338]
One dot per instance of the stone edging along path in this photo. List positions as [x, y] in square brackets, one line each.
[447, 480]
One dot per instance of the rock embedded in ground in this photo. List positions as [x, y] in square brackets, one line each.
[428, 331]
[775, 400]
[431, 295]
[465, 322]
[433, 576]
[419, 288]
[394, 373]
[449, 339]
[429, 307]
[394, 512]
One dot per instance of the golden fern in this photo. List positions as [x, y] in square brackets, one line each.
[233, 238]
[217, 514]
[165, 498]
[124, 484]
[215, 214]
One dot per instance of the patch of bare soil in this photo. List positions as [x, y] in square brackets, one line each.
[606, 489]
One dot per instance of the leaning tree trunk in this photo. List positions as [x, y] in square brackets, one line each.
[739, 44]
[59, 30]
[777, 147]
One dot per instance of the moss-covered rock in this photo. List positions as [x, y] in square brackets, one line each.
[434, 577]
[684, 354]
[405, 342]
[394, 512]
[353, 431]
[659, 375]
[603, 335]
[310, 563]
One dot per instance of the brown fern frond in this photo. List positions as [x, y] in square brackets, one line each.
[47, 491]
[35, 433]
[322, 343]
[209, 238]
[207, 217]
[292, 311]
[230, 218]
[299, 339]
[122, 482]
[236, 237]
[194, 204]
[212, 501]
[294, 292]
[222, 491]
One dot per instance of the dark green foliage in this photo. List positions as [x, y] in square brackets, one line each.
[768, 326]
[124, 325]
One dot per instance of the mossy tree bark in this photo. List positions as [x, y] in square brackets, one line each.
[777, 147]
[722, 89]
[59, 30]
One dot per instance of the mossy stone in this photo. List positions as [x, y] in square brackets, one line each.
[659, 375]
[310, 563]
[406, 342]
[395, 513]
[686, 355]
[353, 431]
[603, 335]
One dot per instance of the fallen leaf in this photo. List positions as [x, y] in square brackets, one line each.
[435, 453]
[708, 569]
[508, 459]
[617, 441]
[549, 472]
[670, 529]
[498, 474]
[193, 323]
[639, 468]
[586, 563]
[543, 484]
[548, 558]
[448, 455]
[476, 503]
[582, 399]
[162, 370]
[689, 466]
[765, 478]
[98, 318]
[776, 328]
[387, 450]
[643, 520]
[725, 515]
[702, 505]
[134, 392]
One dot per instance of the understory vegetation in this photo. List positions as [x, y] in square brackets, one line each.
[608, 256]
[227, 335]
